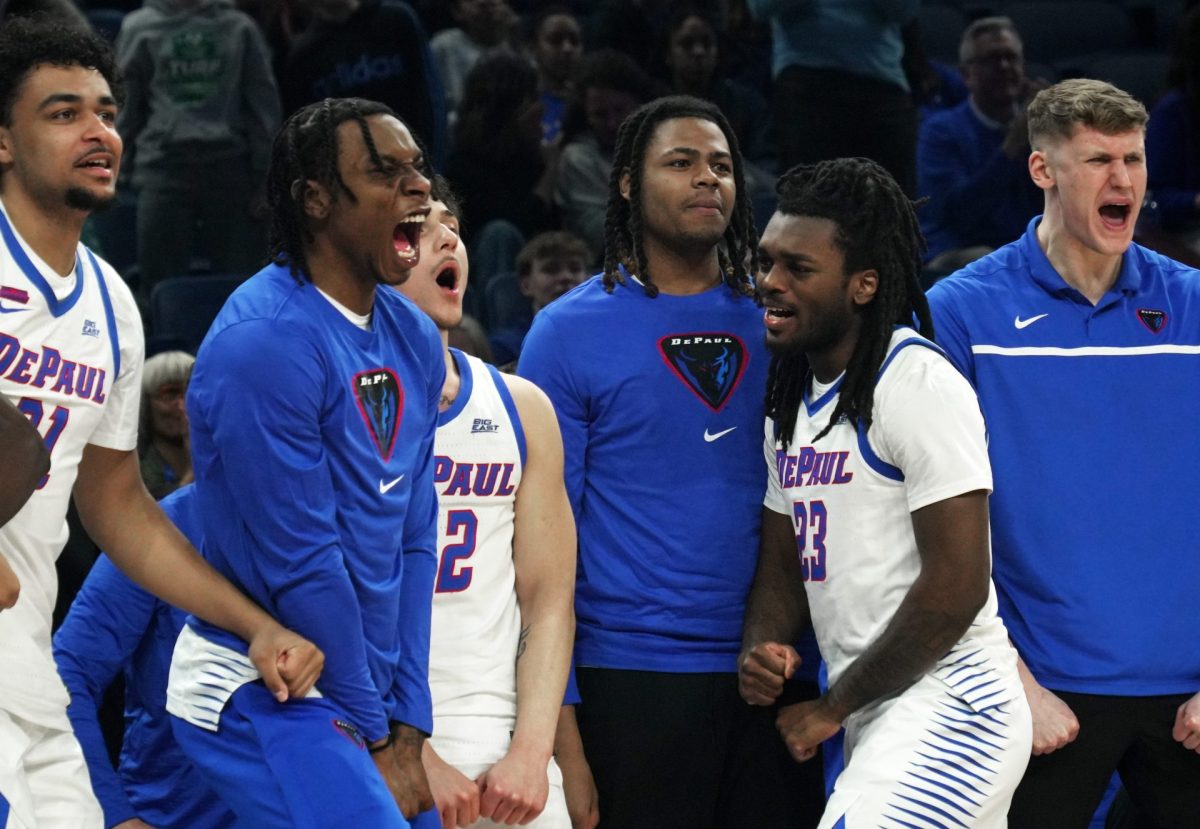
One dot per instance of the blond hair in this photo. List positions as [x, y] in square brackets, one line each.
[1057, 110]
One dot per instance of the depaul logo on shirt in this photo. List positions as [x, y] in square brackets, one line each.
[380, 402]
[710, 364]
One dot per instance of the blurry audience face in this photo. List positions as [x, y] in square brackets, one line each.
[1096, 182]
[481, 18]
[604, 110]
[558, 47]
[995, 73]
[552, 276]
[688, 189]
[439, 280]
[61, 146]
[168, 417]
[692, 54]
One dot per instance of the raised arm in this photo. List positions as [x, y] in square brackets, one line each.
[516, 788]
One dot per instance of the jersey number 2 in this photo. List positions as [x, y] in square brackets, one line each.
[33, 409]
[453, 576]
[810, 520]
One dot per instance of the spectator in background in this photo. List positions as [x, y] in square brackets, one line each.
[166, 459]
[840, 89]
[506, 173]
[556, 44]
[972, 159]
[549, 266]
[485, 27]
[692, 59]
[115, 627]
[1173, 140]
[610, 86]
[373, 49]
[200, 96]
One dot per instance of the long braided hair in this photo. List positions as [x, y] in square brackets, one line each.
[876, 227]
[623, 233]
[305, 149]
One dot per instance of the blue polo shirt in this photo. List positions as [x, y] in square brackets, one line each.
[1092, 419]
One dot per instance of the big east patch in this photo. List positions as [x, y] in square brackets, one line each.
[711, 365]
[380, 401]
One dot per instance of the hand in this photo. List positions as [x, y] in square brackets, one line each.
[133, 824]
[10, 585]
[289, 663]
[456, 795]
[804, 726]
[1187, 724]
[515, 789]
[400, 767]
[1054, 724]
[763, 669]
[579, 788]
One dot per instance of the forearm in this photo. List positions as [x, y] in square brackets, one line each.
[925, 627]
[777, 607]
[543, 658]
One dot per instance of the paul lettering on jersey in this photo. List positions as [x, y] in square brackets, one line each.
[473, 478]
[47, 368]
[810, 468]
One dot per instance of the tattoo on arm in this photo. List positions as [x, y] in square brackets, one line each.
[522, 641]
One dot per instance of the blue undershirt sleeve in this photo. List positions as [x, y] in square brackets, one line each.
[409, 700]
[106, 623]
[264, 401]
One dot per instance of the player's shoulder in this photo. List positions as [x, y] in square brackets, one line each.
[1173, 277]
[912, 357]
[988, 276]
[410, 321]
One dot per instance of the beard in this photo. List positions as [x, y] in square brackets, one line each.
[79, 198]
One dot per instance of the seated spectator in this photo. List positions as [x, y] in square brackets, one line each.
[610, 86]
[971, 159]
[1173, 141]
[114, 626]
[692, 60]
[507, 174]
[556, 44]
[549, 266]
[199, 96]
[485, 27]
[166, 459]
[368, 49]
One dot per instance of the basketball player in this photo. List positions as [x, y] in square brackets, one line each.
[875, 521]
[1082, 346]
[655, 369]
[71, 361]
[313, 405]
[503, 622]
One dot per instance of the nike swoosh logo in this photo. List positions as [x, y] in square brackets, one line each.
[1020, 323]
[384, 488]
[4, 310]
[710, 438]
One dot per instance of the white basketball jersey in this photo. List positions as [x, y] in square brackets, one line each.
[850, 496]
[71, 359]
[480, 451]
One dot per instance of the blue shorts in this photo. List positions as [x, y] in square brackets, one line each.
[296, 765]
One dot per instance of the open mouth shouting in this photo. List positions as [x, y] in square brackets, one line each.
[1116, 215]
[447, 277]
[406, 237]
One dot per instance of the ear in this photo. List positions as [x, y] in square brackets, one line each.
[624, 186]
[314, 198]
[523, 285]
[6, 154]
[1041, 169]
[863, 286]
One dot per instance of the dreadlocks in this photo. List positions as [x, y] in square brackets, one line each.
[623, 240]
[307, 149]
[876, 227]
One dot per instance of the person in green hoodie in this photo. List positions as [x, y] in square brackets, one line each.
[200, 113]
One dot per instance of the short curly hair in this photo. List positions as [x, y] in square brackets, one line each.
[40, 40]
